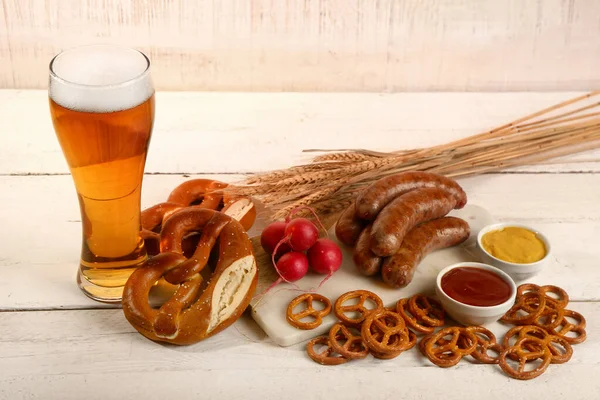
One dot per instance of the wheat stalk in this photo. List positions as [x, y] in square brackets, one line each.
[331, 180]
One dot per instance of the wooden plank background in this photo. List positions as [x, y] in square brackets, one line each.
[319, 45]
[194, 132]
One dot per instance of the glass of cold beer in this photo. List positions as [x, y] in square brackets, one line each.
[102, 108]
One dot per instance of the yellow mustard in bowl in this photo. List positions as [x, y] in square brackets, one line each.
[514, 244]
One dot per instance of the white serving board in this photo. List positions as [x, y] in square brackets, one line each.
[269, 311]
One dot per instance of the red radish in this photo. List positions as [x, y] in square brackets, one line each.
[300, 208]
[292, 266]
[272, 235]
[325, 257]
[302, 234]
[298, 234]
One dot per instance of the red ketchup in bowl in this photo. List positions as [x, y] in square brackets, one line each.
[475, 286]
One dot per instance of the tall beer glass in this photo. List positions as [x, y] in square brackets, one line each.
[102, 107]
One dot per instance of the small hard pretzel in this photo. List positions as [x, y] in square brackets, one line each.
[327, 356]
[551, 315]
[539, 350]
[352, 348]
[452, 350]
[191, 315]
[403, 309]
[552, 341]
[412, 341]
[340, 309]
[555, 343]
[427, 310]
[527, 287]
[563, 297]
[486, 340]
[564, 327]
[536, 300]
[294, 318]
[386, 324]
[441, 341]
[521, 332]
[393, 340]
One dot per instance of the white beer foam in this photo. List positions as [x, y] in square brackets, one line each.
[100, 79]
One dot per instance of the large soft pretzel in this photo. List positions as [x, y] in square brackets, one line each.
[196, 193]
[191, 314]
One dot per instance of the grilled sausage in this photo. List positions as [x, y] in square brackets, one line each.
[349, 227]
[398, 270]
[404, 213]
[375, 197]
[366, 262]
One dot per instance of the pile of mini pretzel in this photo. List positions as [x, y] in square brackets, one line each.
[543, 328]
[541, 337]
[379, 331]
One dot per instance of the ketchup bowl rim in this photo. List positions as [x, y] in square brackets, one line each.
[506, 304]
[501, 225]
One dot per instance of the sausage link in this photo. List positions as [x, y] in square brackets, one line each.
[399, 269]
[404, 213]
[366, 262]
[349, 226]
[372, 200]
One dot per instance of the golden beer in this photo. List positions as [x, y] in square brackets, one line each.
[102, 108]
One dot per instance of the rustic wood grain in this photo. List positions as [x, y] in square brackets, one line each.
[96, 354]
[60, 355]
[41, 239]
[204, 132]
[318, 45]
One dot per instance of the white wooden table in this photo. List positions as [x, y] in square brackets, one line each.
[56, 343]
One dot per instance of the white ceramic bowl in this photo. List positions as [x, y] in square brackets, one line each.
[518, 272]
[474, 315]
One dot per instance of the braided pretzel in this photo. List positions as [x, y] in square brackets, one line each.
[190, 316]
[204, 193]
[151, 219]
[196, 193]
